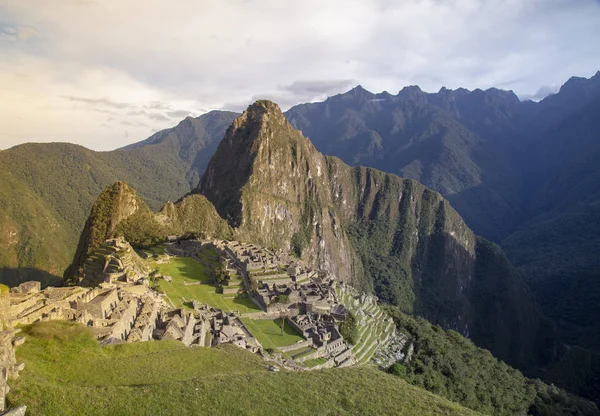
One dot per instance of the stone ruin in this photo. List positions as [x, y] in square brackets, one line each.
[113, 263]
[124, 309]
[321, 330]
[9, 341]
[281, 287]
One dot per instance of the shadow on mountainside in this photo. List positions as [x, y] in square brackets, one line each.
[483, 298]
[12, 277]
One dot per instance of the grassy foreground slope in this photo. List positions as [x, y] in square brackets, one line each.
[68, 373]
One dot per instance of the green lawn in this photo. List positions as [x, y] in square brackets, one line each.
[189, 270]
[301, 352]
[68, 373]
[268, 332]
[315, 362]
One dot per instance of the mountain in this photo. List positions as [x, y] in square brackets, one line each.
[452, 142]
[47, 190]
[522, 174]
[557, 248]
[119, 211]
[378, 231]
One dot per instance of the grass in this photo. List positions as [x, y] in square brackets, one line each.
[302, 352]
[268, 332]
[315, 362]
[186, 269]
[68, 373]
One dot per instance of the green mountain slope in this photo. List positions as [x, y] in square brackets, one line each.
[376, 230]
[451, 366]
[67, 373]
[557, 250]
[48, 189]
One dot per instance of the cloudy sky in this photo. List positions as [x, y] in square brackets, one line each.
[105, 73]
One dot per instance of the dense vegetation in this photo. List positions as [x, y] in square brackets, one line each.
[47, 190]
[447, 364]
[68, 373]
[522, 174]
[349, 329]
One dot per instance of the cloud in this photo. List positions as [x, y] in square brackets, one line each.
[178, 113]
[26, 33]
[318, 87]
[20, 33]
[224, 54]
[541, 93]
[158, 116]
[101, 102]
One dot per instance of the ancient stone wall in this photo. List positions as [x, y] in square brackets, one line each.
[8, 342]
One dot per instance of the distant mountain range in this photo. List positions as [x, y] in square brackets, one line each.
[523, 174]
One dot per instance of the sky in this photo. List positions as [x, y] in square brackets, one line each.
[106, 73]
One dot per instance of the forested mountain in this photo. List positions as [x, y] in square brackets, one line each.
[522, 174]
[454, 142]
[47, 190]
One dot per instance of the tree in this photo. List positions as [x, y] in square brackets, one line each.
[349, 329]
[220, 275]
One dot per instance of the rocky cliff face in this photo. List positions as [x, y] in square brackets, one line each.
[273, 187]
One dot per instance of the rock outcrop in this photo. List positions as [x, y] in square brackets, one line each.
[120, 212]
[8, 342]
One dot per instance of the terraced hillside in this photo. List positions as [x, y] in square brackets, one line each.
[375, 326]
[116, 260]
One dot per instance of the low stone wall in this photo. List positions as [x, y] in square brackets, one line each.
[232, 290]
[261, 315]
[318, 353]
[8, 361]
[296, 346]
[271, 278]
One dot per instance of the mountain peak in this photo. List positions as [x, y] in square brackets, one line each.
[412, 92]
[263, 106]
[260, 140]
[358, 93]
[258, 123]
